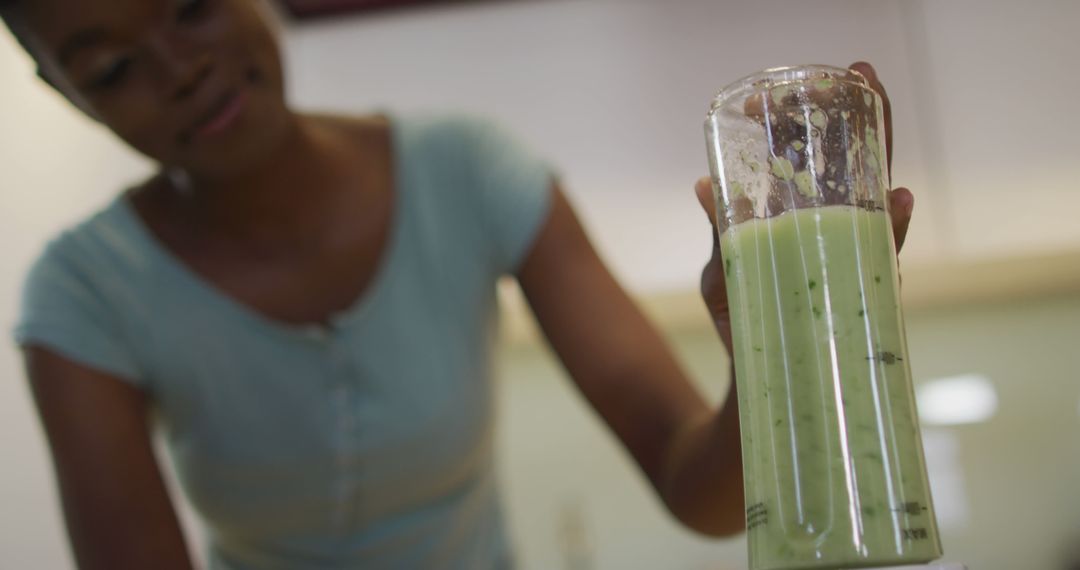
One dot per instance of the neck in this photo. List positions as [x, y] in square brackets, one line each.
[277, 197]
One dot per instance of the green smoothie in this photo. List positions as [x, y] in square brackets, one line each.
[834, 465]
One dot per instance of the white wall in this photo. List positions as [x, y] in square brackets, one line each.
[998, 83]
[614, 92]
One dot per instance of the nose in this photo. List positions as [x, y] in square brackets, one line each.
[185, 66]
[191, 75]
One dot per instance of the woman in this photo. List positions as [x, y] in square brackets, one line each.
[303, 305]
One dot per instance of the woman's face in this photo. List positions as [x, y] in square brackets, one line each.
[191, 83]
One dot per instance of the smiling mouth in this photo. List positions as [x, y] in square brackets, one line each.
[223, 115]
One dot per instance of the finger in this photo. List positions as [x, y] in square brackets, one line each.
[704, 193]
[703, 190]
[901, 204]
[867, 71]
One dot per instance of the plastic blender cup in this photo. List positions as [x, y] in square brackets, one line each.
[834, 468]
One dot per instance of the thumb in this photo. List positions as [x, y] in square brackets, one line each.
[901, 202]
[703, 190]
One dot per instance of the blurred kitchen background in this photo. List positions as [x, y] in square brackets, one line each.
[614, 93]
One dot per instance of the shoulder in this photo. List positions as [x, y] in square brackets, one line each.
[457, 135]
[83, 239]
[103, 248]
[81, 293]
[415, 127]
[358, 131]
[431, 135]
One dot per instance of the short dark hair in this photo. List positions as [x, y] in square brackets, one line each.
[10, 17]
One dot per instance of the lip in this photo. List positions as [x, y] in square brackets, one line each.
[223, 115]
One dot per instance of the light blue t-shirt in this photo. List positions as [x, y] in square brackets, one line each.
[367, 444]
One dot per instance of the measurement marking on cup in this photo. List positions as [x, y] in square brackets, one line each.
[756, 515]
[867, 204]
[886, 357]
[916, 534]
[912, 508]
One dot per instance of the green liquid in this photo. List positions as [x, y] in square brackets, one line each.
[833, 460]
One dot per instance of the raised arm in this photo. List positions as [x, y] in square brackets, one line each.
[624, 368]
[117, 509]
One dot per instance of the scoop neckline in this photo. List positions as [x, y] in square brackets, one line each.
[388, 261]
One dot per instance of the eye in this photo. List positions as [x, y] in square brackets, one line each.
[112, 75]
[191, 10]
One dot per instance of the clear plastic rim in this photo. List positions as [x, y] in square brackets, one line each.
[777, 76]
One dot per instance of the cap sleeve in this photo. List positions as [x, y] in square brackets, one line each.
[513, 186]
[66, 308]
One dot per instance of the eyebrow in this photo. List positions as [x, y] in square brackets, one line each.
[80, 40]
